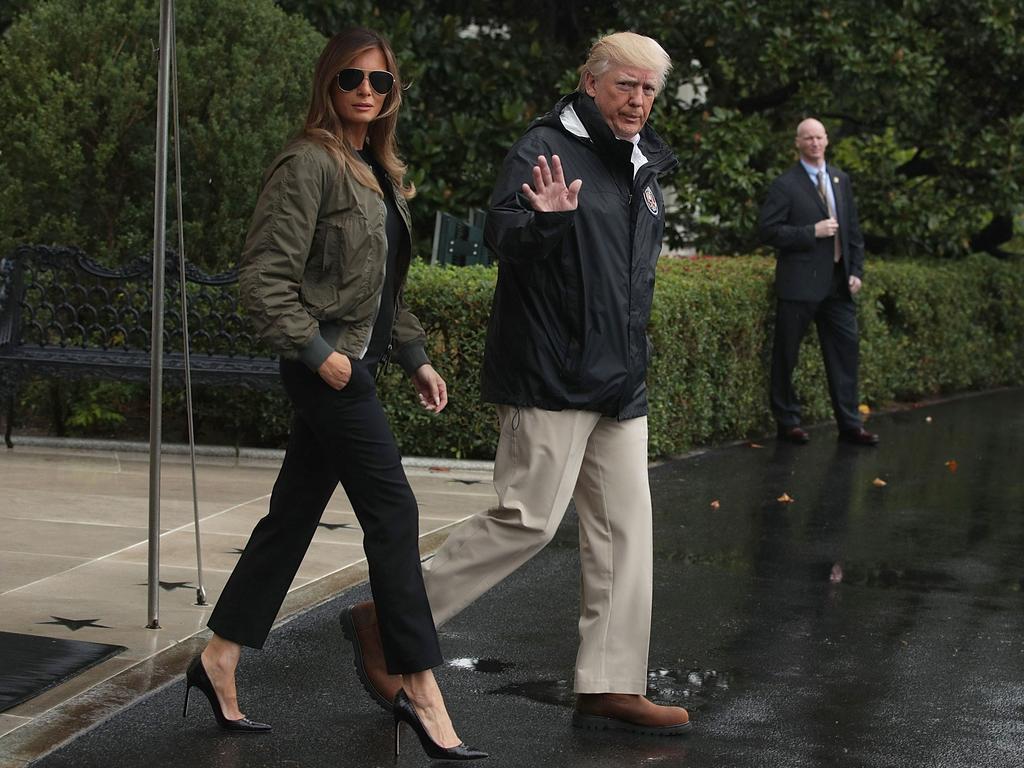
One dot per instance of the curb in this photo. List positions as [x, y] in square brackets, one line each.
[226, 451]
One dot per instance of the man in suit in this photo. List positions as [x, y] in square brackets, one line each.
[809, 215]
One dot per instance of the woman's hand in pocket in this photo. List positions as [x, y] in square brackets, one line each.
[336, 370]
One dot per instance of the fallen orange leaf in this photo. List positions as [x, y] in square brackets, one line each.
[715, 504]
[756, 445]
[440, 469]
[878, 482]
[951, 465]
[785, 498]
[864, 408]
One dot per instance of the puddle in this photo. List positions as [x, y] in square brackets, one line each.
[687, 688]
[487, 666]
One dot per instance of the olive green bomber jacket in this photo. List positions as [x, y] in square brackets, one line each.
[312, 269]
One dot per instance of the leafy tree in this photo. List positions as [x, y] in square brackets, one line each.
[922, 99]
[9, 10]
[79, 101]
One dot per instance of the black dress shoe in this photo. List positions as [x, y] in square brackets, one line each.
[858, 436]
[794, 435]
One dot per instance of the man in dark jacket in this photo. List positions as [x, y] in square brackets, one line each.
[565, 362]
[810, 216]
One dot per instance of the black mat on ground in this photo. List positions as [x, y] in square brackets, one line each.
[30, 664]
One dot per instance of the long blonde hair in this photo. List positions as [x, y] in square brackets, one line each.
[325, 127]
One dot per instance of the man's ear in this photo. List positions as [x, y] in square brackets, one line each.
[589, 84]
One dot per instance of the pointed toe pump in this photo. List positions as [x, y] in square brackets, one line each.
[404, 712]
[195, 676]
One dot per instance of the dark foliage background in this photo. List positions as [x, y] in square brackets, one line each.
[923, 100]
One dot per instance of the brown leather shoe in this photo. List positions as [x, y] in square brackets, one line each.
[794, 435]
[628, 712]
[359, 623]
[858, 436]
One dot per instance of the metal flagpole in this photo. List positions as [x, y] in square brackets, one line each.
[200, 589]
[156, 372]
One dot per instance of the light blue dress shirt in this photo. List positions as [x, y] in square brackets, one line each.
[813, 173]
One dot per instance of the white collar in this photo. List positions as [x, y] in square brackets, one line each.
[572, 123]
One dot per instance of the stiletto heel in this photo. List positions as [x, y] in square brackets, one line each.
[196, 676]
[405, 712]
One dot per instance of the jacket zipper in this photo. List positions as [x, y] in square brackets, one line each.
[380, 297]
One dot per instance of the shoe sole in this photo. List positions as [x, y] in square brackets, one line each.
[598, 723]
[348, 628]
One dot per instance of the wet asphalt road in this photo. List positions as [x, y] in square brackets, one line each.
[856, 626]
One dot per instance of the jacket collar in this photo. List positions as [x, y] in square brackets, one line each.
[660, 158]
[803, 179]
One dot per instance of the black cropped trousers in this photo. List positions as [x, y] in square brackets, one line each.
[336, 436]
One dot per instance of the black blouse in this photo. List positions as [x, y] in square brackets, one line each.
[380, 339]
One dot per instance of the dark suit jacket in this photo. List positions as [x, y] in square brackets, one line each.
[803, 270]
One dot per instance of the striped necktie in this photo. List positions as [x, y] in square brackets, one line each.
[822, 181]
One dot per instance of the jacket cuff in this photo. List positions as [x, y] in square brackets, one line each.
[411, 356]
[552, 221]
[314, 353]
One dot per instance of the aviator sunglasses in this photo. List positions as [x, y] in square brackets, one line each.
[380, 81]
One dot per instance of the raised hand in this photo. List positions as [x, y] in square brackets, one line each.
[549, 192]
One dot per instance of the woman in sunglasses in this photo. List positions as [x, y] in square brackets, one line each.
[321, 274]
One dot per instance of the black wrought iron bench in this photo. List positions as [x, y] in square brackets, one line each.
[63, 314]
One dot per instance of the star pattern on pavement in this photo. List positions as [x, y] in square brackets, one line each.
[74, 624]
[235, 551]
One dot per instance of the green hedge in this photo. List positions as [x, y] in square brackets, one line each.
[926, 329]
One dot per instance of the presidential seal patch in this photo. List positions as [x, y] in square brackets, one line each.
[651, 200]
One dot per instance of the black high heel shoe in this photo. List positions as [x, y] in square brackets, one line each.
[196, 676]
[404, 711]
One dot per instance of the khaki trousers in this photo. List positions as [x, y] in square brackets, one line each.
[544, 458]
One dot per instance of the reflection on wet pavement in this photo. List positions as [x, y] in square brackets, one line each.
[488, 666]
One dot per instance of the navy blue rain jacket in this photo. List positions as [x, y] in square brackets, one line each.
[568, 324]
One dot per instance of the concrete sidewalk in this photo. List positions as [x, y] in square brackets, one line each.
[74, 553]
